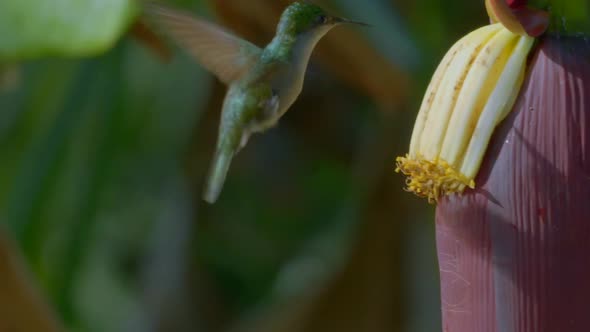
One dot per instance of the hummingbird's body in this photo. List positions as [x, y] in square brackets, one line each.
[262, 83]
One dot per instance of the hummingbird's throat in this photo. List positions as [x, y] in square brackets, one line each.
[295, 52]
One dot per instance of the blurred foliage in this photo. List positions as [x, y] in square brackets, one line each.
[102, 162]
[61, 27]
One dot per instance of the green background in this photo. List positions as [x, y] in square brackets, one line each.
[103, 149]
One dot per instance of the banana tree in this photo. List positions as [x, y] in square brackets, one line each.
[502, 146]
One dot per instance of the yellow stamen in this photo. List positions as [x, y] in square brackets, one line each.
[431, 179]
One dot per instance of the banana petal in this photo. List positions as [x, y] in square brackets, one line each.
[499, 11]
[517, 17]
[472, 90]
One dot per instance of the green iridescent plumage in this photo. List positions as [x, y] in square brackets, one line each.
[263, 83]
[299, 18]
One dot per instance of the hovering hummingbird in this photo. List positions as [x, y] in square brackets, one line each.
[263, 82]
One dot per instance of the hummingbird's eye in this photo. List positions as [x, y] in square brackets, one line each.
[322, 19]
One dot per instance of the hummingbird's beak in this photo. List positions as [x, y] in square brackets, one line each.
[338, 20]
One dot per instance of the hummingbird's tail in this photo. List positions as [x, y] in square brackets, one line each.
[219, 168]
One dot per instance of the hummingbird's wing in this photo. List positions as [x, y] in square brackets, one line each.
[225, 55]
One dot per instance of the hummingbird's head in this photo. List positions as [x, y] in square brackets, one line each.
[301, 17]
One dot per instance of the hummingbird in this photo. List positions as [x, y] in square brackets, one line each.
[262, 83]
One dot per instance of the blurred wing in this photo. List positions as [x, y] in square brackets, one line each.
[225, 55]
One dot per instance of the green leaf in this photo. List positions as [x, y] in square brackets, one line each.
[36, 28]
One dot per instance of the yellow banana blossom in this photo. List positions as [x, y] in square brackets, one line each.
[473, 89]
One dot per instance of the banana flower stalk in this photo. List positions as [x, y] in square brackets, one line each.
[508, 165]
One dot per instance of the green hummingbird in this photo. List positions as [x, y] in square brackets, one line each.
[262, 82]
